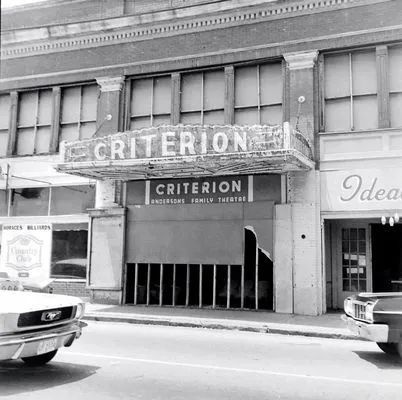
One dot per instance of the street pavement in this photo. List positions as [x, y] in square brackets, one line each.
[152, 362]
[328, 325]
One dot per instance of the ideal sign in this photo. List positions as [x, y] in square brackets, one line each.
[209, 190]
[176, 141]
[365, 189]
[26, 251]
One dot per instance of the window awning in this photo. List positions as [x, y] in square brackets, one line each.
[188, 150]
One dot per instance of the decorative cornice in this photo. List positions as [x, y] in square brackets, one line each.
[110, 84]
[301, 59]
[120, 30]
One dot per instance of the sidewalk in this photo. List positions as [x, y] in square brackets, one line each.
[328, 325]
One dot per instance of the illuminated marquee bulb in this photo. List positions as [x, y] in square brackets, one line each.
[396, 217]
[383, 220]
[391, 221]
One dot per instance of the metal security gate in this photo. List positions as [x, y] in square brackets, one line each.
[197, 285]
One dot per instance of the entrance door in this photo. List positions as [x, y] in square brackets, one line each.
[387, 257]
[353, 265]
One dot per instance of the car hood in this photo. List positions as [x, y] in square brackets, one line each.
[376, 296]
[19, 302]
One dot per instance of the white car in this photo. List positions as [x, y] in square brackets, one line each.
[33, 326]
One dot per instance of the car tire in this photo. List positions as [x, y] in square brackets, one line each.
[41, 359]
[389, 348]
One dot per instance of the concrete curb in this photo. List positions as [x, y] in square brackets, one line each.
[239, 325]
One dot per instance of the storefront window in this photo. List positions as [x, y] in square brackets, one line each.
[69, 254]
[202, 98]
[4, 121]
[351, 91]
[258, 94]
[395, 85]
[64, 200]
[354, 261]
[78, 112]
[29, 201]
[150, 102]
[34, 122]
[67, 200]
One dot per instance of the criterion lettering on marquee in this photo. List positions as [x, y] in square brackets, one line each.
[176, 141]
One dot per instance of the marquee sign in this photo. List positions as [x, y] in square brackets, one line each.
[183, 151]
[207, 190]
[26, 251]
[178, 141]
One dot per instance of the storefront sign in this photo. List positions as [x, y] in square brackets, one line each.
[227, 189]
[176, 141]
[26, 251]
[365, 189]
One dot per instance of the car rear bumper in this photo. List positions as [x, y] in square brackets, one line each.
[28, 344]
[374, 332]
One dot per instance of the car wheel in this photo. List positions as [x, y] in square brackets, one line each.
[41, 359]
[389, 348]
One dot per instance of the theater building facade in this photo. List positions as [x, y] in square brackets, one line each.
[213, 138]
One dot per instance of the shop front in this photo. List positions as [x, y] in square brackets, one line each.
[196, 224]
[361, 210]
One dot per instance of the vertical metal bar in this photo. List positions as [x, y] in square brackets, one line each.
[80, 112]
[160, 284]
[256, 277]
[187, 284]
[214, 289]
[228, 288]
[200, 287]
[242, 287]
[36, 121]
[152, 100]
[135, 283]
[49, 203]
[202, 97]
[352, 122]
[258, 95]
[55, 121]
[148, 282]
[174, 286]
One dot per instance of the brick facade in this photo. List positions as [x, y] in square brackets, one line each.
[104, 42]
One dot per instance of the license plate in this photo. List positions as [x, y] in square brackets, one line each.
[45, 346]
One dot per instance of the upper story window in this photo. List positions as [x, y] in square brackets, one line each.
[150, 102]
[40, 119]
[78, 112]
[4, 122]
[203, 97]
[258, 94]
[395, 85]
[34, 122]
[363, 89]
[351, 91]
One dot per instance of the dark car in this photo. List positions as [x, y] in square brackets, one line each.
[376, 317]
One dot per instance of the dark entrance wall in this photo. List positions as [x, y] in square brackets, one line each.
[204, 234]
[386, 256]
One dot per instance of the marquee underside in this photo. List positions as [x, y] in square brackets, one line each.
[274, 161]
